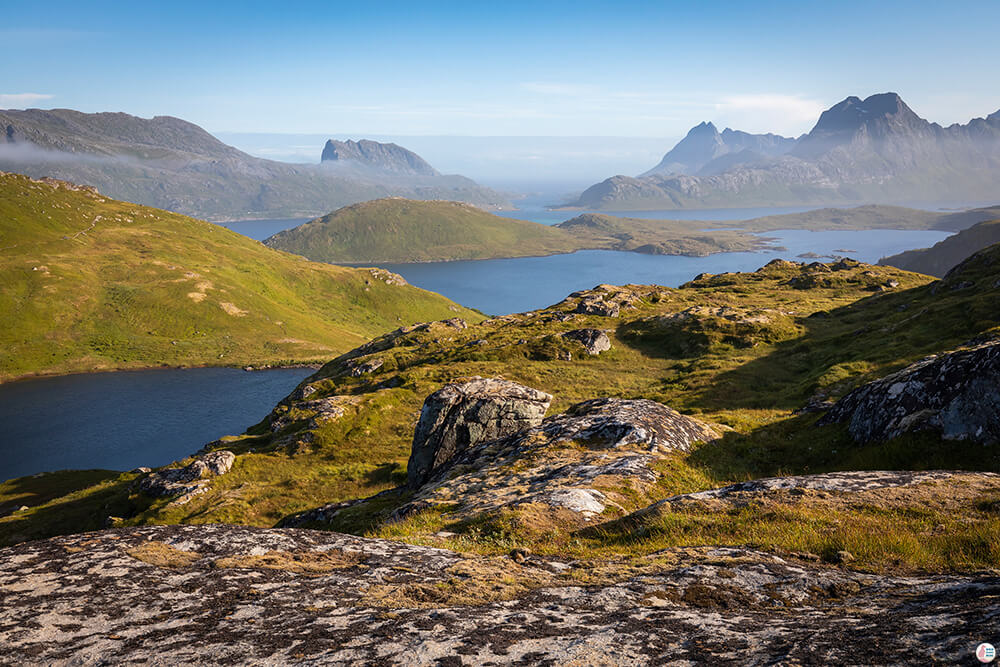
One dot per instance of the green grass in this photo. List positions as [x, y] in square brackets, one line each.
[90, 283]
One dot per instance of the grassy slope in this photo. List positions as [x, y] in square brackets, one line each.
[946, 254]
[89, 283]
[826, 331]
[402, 230]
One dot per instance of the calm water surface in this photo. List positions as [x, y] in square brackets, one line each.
[500, 286]
[261, 229]
[128, 419]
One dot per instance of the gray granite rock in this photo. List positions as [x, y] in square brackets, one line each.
[189, 481]
[462, 414]
[196, 595]
[955, 394]
[594, 341]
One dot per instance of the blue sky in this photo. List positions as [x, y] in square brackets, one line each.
[464, 68]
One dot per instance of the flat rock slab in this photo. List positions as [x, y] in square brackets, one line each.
[269, 596]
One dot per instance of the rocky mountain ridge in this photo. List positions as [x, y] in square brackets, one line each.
[871, 150]
[172, 164]
[388, 157]
[706, 151]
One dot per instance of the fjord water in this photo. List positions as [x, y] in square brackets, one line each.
[128, 419]
[500, 286]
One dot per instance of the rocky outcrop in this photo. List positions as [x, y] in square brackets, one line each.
[594, 341]
[463, 414]
[956, 394]
[606, 300]
[597, 455]
[189, 481]
[195, 595]
[386, 157]
[317, 412]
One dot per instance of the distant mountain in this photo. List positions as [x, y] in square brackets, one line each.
[173, 164]
[949, 253]
[389, 157]
[875, 150]
[706, 149]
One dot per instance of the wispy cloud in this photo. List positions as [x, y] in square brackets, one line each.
[21, 100]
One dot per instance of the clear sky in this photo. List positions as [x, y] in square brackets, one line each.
[580, 68]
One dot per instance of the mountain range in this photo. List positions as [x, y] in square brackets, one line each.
[875, 150]
[172, 164]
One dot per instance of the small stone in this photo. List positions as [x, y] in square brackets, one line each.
[843, 557]
[519, 555]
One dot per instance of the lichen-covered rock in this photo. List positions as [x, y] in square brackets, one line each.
[616, 422]
[594, 341]
[189, 481]
[608, 300]
[318, 412]
[956, 394]
[216, 594]
[463, 414]
[366, 367]
[599, 454]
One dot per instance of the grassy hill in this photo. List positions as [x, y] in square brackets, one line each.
[402, 230]
[946, 254]
[744, 351]
[87, 282]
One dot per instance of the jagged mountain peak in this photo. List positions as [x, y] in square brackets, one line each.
[704, 144]
[386, 157]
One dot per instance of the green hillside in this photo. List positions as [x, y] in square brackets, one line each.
[946, 254]
[402, 230]
[87, 282]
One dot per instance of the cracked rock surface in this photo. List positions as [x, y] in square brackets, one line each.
[194, 595]
[955, 394]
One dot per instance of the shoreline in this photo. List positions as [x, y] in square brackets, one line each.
[247, 368]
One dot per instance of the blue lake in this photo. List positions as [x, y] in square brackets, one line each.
[500, 286]
[128, 419]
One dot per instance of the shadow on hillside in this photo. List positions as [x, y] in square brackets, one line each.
[78, 513]
[797, 446]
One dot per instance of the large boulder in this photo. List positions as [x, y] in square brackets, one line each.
[463, 414]
[956, 394]
[594, 341]
[598, 455]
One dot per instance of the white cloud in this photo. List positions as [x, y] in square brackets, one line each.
[21, 100]
[789, 114]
